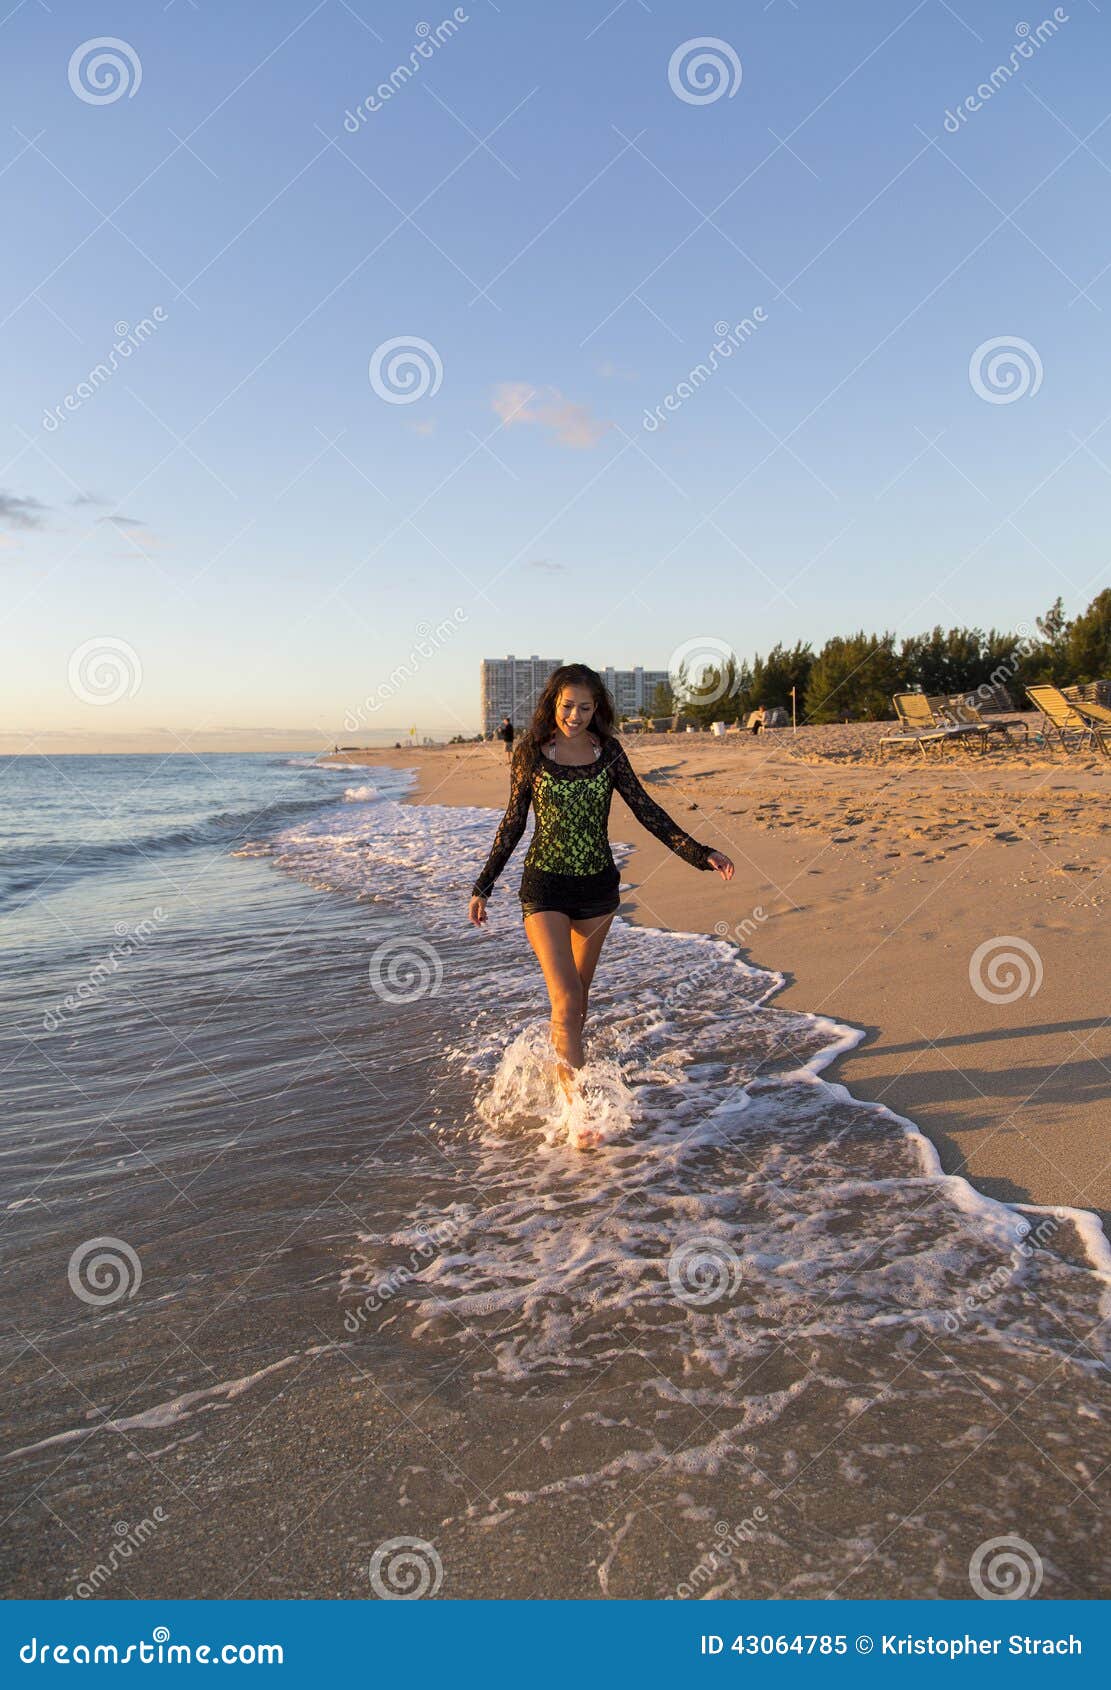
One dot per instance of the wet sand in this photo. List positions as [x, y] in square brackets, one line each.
[872, 884]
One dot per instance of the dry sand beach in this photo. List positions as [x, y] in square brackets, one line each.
[872, 884]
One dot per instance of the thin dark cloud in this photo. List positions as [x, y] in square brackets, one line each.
[121, 521]
[87, 499]
[17, 512]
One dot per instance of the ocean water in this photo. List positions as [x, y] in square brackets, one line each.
[298, 1239]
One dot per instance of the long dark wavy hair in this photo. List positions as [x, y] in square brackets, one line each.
[602, 723]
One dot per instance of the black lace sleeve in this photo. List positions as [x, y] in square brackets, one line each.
[512, 824]
[651, 816]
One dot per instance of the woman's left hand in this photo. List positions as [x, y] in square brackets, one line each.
[721, 862]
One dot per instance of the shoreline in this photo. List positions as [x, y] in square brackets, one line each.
[871, 887]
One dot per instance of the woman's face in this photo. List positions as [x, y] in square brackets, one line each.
[574, 709]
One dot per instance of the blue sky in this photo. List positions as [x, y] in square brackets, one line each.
[260, 536]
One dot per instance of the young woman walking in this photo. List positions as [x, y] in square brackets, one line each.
[567, 764]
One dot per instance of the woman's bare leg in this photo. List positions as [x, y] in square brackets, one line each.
[549, 934]
[587, 939]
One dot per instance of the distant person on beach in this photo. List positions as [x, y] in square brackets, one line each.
[757, 720]
[505, 733]
[566, 766]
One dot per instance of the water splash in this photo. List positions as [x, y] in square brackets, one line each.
[524, 1095]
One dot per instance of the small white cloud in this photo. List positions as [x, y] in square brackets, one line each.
[572, 424]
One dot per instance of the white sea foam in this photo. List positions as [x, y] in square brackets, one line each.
[172, 1412]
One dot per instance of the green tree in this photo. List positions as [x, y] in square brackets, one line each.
[663, 700]
[1048, 658]
[714, 693]
[855, 677]
[1087, 641]
[774, 676]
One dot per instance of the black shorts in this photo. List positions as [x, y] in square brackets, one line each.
[574, 911]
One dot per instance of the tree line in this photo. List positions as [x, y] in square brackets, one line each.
[853, 676]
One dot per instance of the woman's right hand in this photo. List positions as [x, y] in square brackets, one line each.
[477, 912]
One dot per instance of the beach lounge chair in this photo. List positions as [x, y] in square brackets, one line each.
[1068, 720]
[1090, 708]
[965, 715]
[919, 724]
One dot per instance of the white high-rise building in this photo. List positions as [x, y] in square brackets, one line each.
[512, 685]
[634, 690]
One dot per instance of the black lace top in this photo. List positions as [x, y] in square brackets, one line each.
[570, 851]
